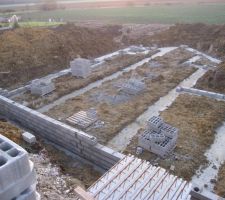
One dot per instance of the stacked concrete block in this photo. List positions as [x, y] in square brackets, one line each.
[154, 123]
[81, 67]
[137, 49]
[158, 137]
[41, 87]
[17, 175]
[64, 136]
[4, 92]
[132, 86]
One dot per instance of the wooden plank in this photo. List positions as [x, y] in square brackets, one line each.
[82, 194]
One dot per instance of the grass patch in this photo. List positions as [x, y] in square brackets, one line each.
[39, 24]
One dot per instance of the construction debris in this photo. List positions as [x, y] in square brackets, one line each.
[83, 119]
[28, 137]
[132, 86]
[159, 137]
[81, 67]
[41, 87]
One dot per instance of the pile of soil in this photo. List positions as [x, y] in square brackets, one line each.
[213, 80]
[207, 38]
[28, 53]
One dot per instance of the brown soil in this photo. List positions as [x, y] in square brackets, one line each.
[29, 53]
[220, 184]
[213, 80]
[10, 131]
[197, 118]
[207, 38]
[68, 83]
[169, 75]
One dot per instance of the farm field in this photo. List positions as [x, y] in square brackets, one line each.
[166, 14]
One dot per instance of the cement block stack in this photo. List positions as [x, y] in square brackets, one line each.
[17, 174]
[158, 137]
[132, 86]
[81, 67]
[41, 88]
[4, 92]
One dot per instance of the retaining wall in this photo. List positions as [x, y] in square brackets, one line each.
[65, 136]
[202, 93]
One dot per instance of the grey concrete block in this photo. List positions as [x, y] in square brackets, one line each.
[16, 171]
[28, 137]
[154, 123]
[28, 194]
[41, 87]
[80, 67]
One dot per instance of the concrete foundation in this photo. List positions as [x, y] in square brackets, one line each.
[202, 93]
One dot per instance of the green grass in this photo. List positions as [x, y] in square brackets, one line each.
[38, 24]
[34, 24]
[211, 14]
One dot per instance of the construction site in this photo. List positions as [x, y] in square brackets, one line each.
[97, 111]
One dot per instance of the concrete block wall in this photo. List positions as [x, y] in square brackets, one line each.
[67, 137]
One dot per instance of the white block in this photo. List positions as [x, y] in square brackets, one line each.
[28, 137]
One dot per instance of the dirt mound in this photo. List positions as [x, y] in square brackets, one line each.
[28, 53]
[207, 38]
[213, 80]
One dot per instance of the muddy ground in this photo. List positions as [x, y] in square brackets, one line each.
[197, 118]
[68, 83]
[57, 173]
[159, 80]
[213, 80]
